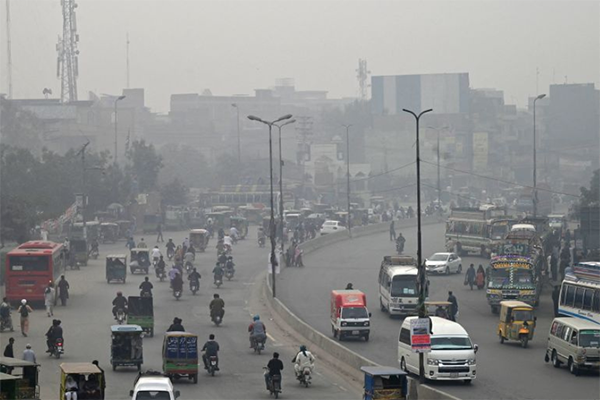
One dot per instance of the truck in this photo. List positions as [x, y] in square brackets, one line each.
[476, 230]
[349, 314]
[512, 277]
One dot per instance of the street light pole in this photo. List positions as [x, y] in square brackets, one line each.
[535, 196]
[116, 123]
[347, 126]
[421, 274]
[439, 187]
[281, 182]
[239, 147]
[272, 233]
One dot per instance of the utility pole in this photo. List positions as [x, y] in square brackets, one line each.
[8, 51]
[304, 129]
[421, 280]
[347, 126]
[127, 60]
[116, 123]
[535, 196]
[83, 195]
[67, 65]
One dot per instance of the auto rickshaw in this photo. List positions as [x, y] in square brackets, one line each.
[140, 311]
[199, 239]
[124, 227]
[517, 322]
[220, 220]
[180, 355]
[126, 348]
[79, 248]
[139, 260]
[116, 268]
[88, 377]
[241, 225]
[385, 383]
[18, 379]
[109, 232]
[439, 309]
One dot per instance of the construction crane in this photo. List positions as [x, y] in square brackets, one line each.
[67, 65]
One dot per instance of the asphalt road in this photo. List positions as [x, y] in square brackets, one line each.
[503, 371]
[87, 319]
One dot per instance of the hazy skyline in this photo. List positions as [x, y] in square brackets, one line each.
[233, 47]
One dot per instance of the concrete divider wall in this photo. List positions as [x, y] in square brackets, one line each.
[341, 353]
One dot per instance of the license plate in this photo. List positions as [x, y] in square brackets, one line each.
[453, 374]
[355, 332]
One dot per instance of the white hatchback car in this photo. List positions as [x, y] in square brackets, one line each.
[330, 226]
[153, 387]
[443, 263]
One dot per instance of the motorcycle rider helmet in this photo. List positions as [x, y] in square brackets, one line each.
[23, 301]
[303, 348]
[256, 317]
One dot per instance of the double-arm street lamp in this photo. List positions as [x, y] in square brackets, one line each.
[116, 124]
[535, 198]
[272, 233]
[279, 126]
[422, 282]
[347, 126]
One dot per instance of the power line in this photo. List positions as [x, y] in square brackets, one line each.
[383, 173]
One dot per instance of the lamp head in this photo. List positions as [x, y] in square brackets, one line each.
[254, 118]
[287, 116]
[541, 96]
[121, 97]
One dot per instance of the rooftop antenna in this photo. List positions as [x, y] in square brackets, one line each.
[67, 66]
[8, 51]
[362, 76]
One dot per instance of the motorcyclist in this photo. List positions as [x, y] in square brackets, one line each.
[221, 233]
[218, 273]
[5, 314]
[230, 265]
[191, 249]
[146, 287]
[304, 359]
[176, 326]
[261, 235]
[142, 244]
[210, 349]
[258, 330]
[234, 234]
[160, 266]
[194, 276]
[155, 254]
[170, 246]
[94, 246]
[220, 247]
[173, 272]
[119, 302]
[222, 259]
[217, 307]
[177, 283]
[275, 366]
[189, 257]
[54, 332]
[400, 242]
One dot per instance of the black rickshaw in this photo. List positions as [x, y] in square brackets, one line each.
[140, 311]
[22, 379]
[139, 260]
[116, 268]
[79, 250]
[127, 349]
[385, 383]
[109, 232]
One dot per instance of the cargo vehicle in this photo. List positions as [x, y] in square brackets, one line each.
[349, 314]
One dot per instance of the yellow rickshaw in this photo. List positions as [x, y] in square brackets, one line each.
[517, 322]
[439, 309]
[199, 239]
[84, 378]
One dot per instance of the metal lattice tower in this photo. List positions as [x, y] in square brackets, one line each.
[362, 74]
[67, 66]
[8, 52]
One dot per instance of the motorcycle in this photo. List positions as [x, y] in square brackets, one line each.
[94, 254]
[229, 272]
[177, 294]
[144, 293]
[212, 365]
[6, 324]
[218, 281]
[189, 266]
[194, 286]
[261, 242]
[170, 254]
[57, 350]
[259, 345]
[399, 248]
[274, 384]
[216, 319]
[120, 316]
[160, 274]
[305, 378]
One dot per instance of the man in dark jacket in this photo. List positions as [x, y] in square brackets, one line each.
[453, 306]
[210, 349]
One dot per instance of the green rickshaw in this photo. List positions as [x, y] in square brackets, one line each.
[241, 225]
[127, 349]
[140, 311]
[139, 260]
[116, 268]
[180, 355]
[220, 220]
[79, 249]
[18, 379]
[109, 232]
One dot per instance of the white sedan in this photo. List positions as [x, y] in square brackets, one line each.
[331, 226]
[443, 263]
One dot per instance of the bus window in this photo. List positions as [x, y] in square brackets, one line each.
[28, 263]
[570, 295]
[596, 305]
[579, 297]
[587, 299]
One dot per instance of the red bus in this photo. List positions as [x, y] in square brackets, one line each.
[30, 267]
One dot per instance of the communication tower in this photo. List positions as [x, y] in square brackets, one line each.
[362, 75]
[67, 66]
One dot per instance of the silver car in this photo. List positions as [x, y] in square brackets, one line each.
[443, 263]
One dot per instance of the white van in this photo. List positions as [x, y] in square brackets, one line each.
[574, 342]
[398, 293]
[452, 355]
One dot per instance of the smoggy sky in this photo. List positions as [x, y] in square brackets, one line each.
[233, 47]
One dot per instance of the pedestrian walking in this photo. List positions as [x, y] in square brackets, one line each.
[24, 311]
[453, 306]
[480, 278]
[392, 232]
[555, 297]
[554, 266]
[29, 354]
[9, 350]
[159, 236]
[49, 298]
[470, 276]
[63, 290]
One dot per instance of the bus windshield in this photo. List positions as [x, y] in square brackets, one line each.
[499, 231]
[450, 343]
[404, 286]
[589, 338]
[29, 263]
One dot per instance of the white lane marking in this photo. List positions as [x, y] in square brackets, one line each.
[343, 388]
[271, 337]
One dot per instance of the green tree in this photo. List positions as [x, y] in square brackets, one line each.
[591, 196]
[19, 128]
[174, 193]
[146, 163]
[186, 164]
